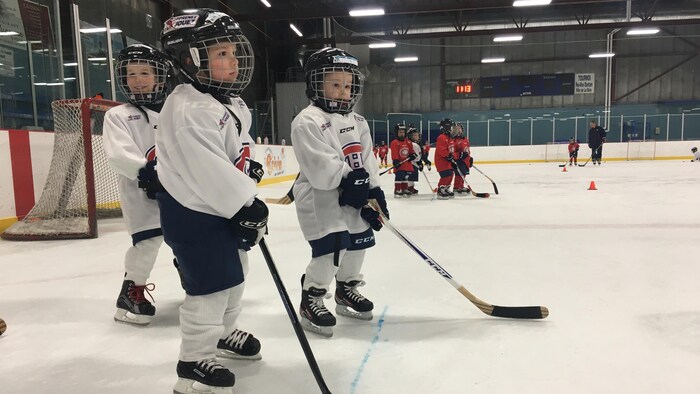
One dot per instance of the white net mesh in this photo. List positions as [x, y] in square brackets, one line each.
[80, 186]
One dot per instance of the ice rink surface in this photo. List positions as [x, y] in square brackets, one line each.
[618, 269]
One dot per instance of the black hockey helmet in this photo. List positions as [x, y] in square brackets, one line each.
[447, 126]
[400, 127]
[322, 64]
[413, 134]
[142, 85]
[189, 35]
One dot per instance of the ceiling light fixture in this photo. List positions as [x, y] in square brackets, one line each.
[291, 25]
[406, 59]
[601, 55]
[99, 30]
[266, 3]
[493, 60]
[530, 3]
[512, 37]
[367, 12]
[642, 31]
[383, 45]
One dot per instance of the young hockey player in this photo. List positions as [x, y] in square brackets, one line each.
[596, 139]
[444, 157]
[209, 212]
[402, 154]
[375, 150]
[696, 154]
[425, 152]
[383, 153]
[462, 158]
[573, 151]
[129, 143]
[414, 137]
[338, 174]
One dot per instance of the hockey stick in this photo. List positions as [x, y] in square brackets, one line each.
[394, 167]
[512, 312]
[475, 194]
[589, 159]
[495, 188]
[287, 199]
[430, 186]
[293, 317]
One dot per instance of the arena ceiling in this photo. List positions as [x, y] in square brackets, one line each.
[412, 19]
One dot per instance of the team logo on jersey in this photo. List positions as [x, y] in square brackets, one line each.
[243, 158]
[345, 130]
[224, 119]
[359, 118]
[403, 152]
[325, 126]
[133, 117]
[151, 153]
[353, 155]
[180, 22]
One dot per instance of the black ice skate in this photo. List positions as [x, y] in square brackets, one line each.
[450, 192]
[349, 301]
[314, 315]
[203, 377]
[240, 345]
[442, 193]
[462, 191]
[132, 305]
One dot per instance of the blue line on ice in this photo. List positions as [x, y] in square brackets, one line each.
[375, 339]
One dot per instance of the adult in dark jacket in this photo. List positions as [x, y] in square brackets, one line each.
[596, 139]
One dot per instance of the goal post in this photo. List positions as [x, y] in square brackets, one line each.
[80, 186]
[641, 150]
[556, 151]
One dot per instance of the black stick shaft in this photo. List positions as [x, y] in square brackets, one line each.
[293, 317]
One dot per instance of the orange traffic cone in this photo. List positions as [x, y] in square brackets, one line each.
[564, 170]
[592, 186]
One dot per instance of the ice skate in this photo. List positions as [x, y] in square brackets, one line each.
[132, 305]
[442, 193]
[398, 193]
[412, 190]
[240, 345]
[203, 377]
[314, 315]
[462, 191]
[349, 301]
[450, 193]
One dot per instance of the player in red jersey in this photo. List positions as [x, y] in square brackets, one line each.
[463, 161]
[375, 150]
[444, 157]
[573, 151]
[383, 153]
[401, 156]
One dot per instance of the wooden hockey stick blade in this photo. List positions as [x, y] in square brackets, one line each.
[282, 201]
[480, 195]
[510, 312]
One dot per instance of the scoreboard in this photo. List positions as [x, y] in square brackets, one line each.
[510, 86]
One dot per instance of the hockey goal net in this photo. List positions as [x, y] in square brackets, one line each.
[641, 150]
[556, 151]
[80, 186]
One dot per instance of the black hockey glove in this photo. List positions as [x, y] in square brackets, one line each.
[463, 155]
[355, 188]
[412, 157]
[372, 217]
[429, 164]
[396, 162]
[420, 166]
[250, 223]
[378, 195]
[256, 171]
[148, 180]
[471, 161]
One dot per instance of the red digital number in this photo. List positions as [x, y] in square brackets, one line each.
[463, 89]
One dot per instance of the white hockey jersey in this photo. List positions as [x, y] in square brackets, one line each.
[327, 147]
[204, 153]
[696, 156]
[129, 143]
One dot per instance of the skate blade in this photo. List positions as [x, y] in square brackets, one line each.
[189, 386]
[235, 356]
[310, 327]
[349, 312]
[124, 316]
